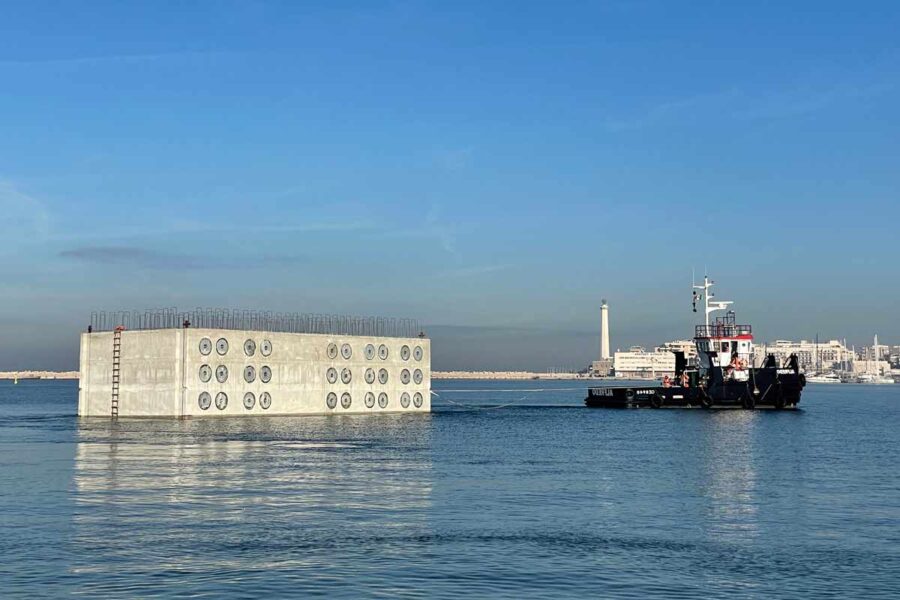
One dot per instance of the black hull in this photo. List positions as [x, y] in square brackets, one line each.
[766, 388]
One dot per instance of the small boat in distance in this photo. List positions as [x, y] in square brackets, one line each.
[823, 378]
[726, 374]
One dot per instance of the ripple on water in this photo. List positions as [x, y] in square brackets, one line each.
[542, 499]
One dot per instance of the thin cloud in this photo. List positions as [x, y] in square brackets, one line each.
[434, 228]
[137, 257]
[191, 227]
[473, 270]
[23, 216]
[131, 256]
[733, 103]
[455, 159]
[111, 58]
[807, 100]
[671, 109]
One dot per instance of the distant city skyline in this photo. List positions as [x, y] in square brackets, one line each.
[493, 172]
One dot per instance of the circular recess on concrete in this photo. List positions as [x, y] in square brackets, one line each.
[383, 352]
[205, 373]
[370, 399]
[265, 374]
[249, 374]
[205, 346]
[404, 400]
[346, 400]
[346, 375]
[370, 351]
[331, 400]
[331, 375]
[249, 347]
[265, 400]
[332, 351]
[404, 352]
[204, 400]
[418, 376]
[249, 400]
[383, 376]
[265, 348]
[222, 346]
[221, 373]
[404, 376]
[346, 351]
[418, 353]
[382, 400]
[221, 400]
[417, 400]
[370, 375]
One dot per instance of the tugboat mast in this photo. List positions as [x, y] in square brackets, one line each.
[709, 307]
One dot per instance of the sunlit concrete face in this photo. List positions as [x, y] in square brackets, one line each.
[211, 372]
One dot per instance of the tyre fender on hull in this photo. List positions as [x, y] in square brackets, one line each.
[778, 400]
[656, 400]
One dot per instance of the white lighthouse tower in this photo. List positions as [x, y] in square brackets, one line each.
[604, 330]
[604, 366]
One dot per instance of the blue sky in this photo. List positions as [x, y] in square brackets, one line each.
[490, 168]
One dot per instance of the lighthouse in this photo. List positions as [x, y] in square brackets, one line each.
[604, 330]
[604, 366]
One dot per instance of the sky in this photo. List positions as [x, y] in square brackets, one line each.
[492, 169]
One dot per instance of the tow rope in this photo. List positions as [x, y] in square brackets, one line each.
[513, 403]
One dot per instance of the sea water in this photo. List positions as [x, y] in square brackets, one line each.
[507, 490]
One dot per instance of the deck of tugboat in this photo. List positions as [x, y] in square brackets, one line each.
[644, 396]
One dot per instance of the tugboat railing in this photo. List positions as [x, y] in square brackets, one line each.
[721, 330]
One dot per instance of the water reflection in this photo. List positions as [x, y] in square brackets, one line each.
[730, 475]
[247, 495]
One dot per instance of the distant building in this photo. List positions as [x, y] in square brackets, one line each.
[825, 356]
[638, 363]
[872, 367]
[601, 368]
[876, 351]
[687, 346]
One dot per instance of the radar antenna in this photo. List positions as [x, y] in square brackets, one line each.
[709, 307]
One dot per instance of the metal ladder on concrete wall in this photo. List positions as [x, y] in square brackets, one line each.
[117, 355]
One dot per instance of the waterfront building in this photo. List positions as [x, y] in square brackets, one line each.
[871, 367]
[813, 356]
[638, 363]
[894, 358]
[688, 347]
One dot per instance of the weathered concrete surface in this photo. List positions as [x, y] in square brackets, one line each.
[163, 371]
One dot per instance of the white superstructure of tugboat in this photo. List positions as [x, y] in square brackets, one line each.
[726, 374]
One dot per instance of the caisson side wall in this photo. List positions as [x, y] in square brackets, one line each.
[211, 372]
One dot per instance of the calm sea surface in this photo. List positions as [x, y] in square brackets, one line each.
[543, 498]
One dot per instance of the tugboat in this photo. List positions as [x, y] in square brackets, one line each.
[725, 375]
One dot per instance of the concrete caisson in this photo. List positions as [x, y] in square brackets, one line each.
[194, 372]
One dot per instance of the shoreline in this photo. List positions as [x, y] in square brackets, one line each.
[11, 375]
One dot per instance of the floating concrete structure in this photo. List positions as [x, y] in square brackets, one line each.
[205, 372]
